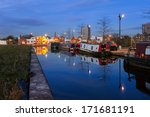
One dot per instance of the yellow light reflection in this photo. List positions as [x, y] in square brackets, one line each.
[41, 50]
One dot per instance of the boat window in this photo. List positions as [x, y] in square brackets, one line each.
[84, 46]
[147, 51]
[91, 47]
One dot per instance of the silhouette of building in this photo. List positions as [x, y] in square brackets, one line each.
[146, 31]
[86, 32]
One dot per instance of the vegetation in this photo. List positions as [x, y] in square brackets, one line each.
[104, 27]
[10, 39]
[126, 40]
[14, 67]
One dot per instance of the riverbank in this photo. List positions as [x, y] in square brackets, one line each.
[123, 52]
[14, 72]
[39, 89]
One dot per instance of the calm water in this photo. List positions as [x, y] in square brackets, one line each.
[80, 77]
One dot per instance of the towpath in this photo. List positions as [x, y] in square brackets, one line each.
[38, 89]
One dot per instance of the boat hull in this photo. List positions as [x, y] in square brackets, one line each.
[136, 65]
[95, 54]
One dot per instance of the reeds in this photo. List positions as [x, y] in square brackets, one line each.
[14, 66]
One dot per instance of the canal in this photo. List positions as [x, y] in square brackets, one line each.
[79, 77]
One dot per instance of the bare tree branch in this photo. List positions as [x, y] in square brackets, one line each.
[104, 26]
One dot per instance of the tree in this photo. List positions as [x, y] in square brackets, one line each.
[104, 27]
[10, 37]
[125, 41]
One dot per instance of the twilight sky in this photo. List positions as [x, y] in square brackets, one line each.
[49, 16]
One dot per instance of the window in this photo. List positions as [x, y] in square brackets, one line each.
[147, 51]
[91, 47]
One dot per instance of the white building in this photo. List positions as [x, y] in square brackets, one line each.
[99, 39]
[3, 42]
[31, 41]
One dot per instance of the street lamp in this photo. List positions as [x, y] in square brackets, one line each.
[121, 86]
[120, 17]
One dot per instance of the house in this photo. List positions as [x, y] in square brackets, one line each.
[3, 42]
[26, 40]
[32, 40]
[41, 40]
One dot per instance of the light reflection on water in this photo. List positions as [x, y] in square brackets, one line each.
[81, 77]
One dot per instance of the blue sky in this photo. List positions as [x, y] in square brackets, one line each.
[49, 16]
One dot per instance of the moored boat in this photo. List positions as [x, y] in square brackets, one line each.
[97, 50]
[98, 61]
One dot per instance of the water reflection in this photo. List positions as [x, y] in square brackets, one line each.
[121, 84]
[41, 50]
[87, 64]
[73, 76]
[142, 78]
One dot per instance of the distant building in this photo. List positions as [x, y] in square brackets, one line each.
[3, 42]
[86, 32]
[41, 40]
[146, 31]
[26, 40]
[99, 39]
[31, 40]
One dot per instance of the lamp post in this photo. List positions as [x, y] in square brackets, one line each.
[120, 17]
[121, 87]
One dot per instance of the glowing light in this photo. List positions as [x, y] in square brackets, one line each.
[122, 15]
[74, 64]
[89, 26]
[90, 71]
[46, 55]
[65, 59]
[45, 35]
[122, 88]
[58, 56]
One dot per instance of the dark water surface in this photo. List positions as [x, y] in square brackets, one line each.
[80, 77]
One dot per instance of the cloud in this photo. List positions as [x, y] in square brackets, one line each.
[146, 13]
[12, 3]
[28, 22]
[75, 19]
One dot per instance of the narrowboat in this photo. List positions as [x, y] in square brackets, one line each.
[97, 50]
[98, 61]
[141, 60]
[143, 49]
[141, 76]
[55, 46]
[72, 45]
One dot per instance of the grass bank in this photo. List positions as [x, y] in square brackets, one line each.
[14, 68]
